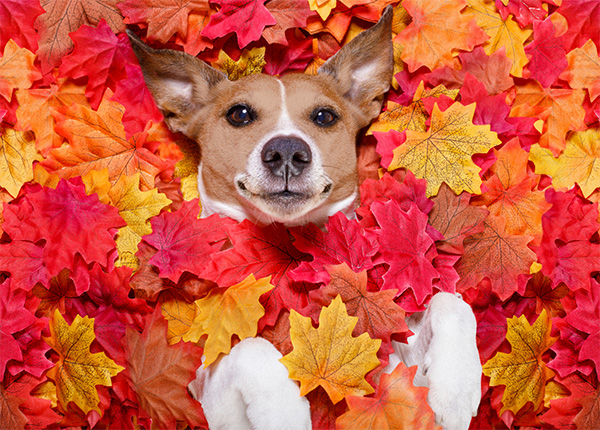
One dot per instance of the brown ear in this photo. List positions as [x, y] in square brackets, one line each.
[179, 82]
[364, 67]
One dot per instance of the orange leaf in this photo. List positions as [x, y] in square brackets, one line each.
[17, 154]
[97, 141]
[438, 28]
[179, 313]
[329, 356]
[225, 312]
[16, 69]
[523, 370]
[583, 70]
[397, 405]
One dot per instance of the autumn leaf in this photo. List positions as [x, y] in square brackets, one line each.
[494, 254]
[97, 141]
[502, 33]
[322, 7]
[159, 374]
[250, 62]
[329, 356]
[16, 69]
[443, 153]
[60, 290]
[179, 313]
[398, 404]
[17, 18]
[539, 288]
[435, 24]
[11, 416]
[589, 416]
[24, 260]
[578, 163]
[546, 54]
[288, 14]
[225, 312]
[17, 154]
[523, 370]
[64, 16]
[78, 371]
[163, 17]
[583, 70]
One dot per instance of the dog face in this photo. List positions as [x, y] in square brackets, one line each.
[275, 148]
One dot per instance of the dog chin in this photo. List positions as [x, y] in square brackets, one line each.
[289, 208]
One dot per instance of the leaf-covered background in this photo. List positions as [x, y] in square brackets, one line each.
[111, 288]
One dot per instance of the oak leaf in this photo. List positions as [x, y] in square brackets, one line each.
[329, 356]
[159, 374]
[16, 69]
[443, 153]
[64, 16]
[435, 24]
[17, 154]
[523, 371]
[225, 312]
[583, 70]
[578, 164]
[398, 405]
[78, 370]
[96, 141]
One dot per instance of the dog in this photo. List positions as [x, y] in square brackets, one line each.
[283, 149]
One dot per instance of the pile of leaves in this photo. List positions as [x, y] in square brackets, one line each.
[480, 176]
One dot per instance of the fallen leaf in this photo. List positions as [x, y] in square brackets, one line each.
[250, 62]
[24, 260]
[17, 154]
[17, 70]
[547, 57]
[287, 14]
[179, 313]
[589, 416]
[11, 416]
[17, 18]
[329, 356]
[583, 70]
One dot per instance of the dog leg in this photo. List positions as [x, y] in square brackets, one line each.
[444, 347]
[250, 389]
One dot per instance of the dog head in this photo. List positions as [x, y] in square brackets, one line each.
[275, 148]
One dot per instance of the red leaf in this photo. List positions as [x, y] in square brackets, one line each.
[406, 247]
[14, 318]
[24, 260]
[586, 318]
[344, 242]
[17, 18]
[547, 57]
[262, 251]
[491, 110]
[69, 221]
[184, 242]
[98, 55]
[246, 18]
[294, 57]
[524, 12]
[582, 22]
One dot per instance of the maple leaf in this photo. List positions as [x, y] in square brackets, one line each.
[225, 312]
[11, 416]
[589, 416]
[502, 33]
[581, 22]
[293, 57]
[398, 404]
[329, 356]
[497, 255]
[287, 14]
[69, 221]
[443, 153]
[578, 163]
[61, 288]
[17, 18]
[434, 24]
[24, 260]
[97, 141]
[586, 317]
[164, 17]
[539, 287]
[78, 371]
[523, 370]
[322, 7]
[159, 374]
[250, 62]
[98, 55]
[179, 313]
[17, 154]
[455, 219]
[16, 69]
[583, 70]
[560, 109]
[35, 111]
[547, 57]
[246, 18]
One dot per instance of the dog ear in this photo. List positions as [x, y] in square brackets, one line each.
[364, 67]
[179, 82]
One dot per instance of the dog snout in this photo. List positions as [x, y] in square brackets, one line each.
[286, 156]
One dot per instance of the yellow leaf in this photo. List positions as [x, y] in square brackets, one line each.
[583, 70]
[180, 315]
[329, 356]
[523, 370]
[44, 178]
[502, 33]
[16, 69]
[250, 62]
[225, 312]
[17, 154]
[443, 153]
[323, 7]
[579, 163]
[78, 371]
[46, 390]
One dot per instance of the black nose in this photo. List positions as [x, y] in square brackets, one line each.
[286, 156]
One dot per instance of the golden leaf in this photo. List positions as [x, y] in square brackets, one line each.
[17, 154]
[180, 315]
[228, 311]
[443, 153]
[323, 7]
[329, 356]
[579, 163]
[78, 371]
[16, 69]
[523, 370]
[251, 61]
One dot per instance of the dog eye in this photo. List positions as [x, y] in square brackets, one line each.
[240, 115]
[324, 117]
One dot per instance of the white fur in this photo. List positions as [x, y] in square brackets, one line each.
[180, 89]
